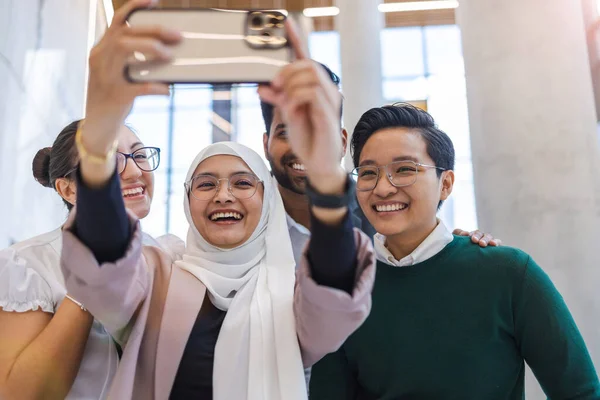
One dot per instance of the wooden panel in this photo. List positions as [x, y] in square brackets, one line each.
[395, 19]
[292, 5]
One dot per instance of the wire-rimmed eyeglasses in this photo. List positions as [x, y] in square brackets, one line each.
[399, 173]
[204, 187]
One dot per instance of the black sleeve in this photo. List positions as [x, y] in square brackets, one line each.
[332, 254]
[101, 222]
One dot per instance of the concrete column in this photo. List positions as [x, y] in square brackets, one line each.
[43, 59]
[359, 24]
[533, 134]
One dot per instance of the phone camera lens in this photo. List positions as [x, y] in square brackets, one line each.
[256, 22]
[273, 21]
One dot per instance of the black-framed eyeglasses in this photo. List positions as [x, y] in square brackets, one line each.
[147, 159]
[399, 173]
[205, 187]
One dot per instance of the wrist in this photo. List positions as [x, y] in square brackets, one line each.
[331, 182]
[98, 133]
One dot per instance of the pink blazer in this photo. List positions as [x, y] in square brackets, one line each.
[149, 306]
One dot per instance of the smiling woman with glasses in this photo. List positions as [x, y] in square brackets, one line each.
[46, 334]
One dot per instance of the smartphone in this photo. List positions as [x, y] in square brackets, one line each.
[218, 46]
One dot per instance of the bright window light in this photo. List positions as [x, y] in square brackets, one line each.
[419, 6]
[109, 11]
[321, 12]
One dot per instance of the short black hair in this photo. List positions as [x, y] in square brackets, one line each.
[404, 115]
[267, 109]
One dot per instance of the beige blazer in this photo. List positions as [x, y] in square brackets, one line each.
[150, 305]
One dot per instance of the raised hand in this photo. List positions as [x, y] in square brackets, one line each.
[110, 96]
[310, 105]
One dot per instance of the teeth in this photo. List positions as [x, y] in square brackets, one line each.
[391, 207]
[299, 167]
[217, 216]
[133, 192]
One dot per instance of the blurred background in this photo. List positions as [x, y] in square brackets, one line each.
[516, 85]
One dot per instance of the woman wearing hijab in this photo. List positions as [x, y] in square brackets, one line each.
[230, 319]
[223, 319]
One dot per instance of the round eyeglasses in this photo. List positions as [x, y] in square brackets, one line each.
[205, 187]
[399, 173]
[147, 159]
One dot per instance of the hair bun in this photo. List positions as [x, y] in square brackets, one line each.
[41, 166]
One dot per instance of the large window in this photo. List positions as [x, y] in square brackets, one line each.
[418, 64]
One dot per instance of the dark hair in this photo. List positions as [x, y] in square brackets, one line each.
[267, 109]
[403, 115]
[58, 161]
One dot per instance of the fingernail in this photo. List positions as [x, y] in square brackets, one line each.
[483, 242]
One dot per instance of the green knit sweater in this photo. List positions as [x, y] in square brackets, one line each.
[460, 326]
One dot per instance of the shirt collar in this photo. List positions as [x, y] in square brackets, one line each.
[432, 245]
[295, 225]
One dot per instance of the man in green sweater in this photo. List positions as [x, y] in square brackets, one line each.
[449, 320]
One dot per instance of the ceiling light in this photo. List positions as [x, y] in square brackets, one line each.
[321, 12]
[418, 6]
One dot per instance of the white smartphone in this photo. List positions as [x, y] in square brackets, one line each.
[218, 46]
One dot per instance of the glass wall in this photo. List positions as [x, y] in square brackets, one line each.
[420, 64]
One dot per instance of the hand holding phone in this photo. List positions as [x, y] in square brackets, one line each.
[218, 46]
[310, 105]
[110, 96]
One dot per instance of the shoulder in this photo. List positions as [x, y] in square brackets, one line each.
[501, 256]
[46, 242]
[30, 276]
[40, 253]
[170, 244]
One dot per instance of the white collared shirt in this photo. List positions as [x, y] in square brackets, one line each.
[31, 279]
[299, 235]
[432, 245]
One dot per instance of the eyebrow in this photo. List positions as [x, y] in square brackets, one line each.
[401, 158]
[136, 144]
[214, 175]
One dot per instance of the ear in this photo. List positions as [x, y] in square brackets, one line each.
[447, 181]
[344, 140]
[266, 144]
[67, 189]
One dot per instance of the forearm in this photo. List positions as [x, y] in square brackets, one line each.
[48, 366]
[332, 254]
[101, 222]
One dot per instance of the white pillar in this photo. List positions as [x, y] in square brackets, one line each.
[43, 58]
[359, 24]
[534, 145]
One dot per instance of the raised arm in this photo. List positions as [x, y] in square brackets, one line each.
[101, 256]
[335, 278]
[550, 341]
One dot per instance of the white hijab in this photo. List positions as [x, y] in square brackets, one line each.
[257, 355]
